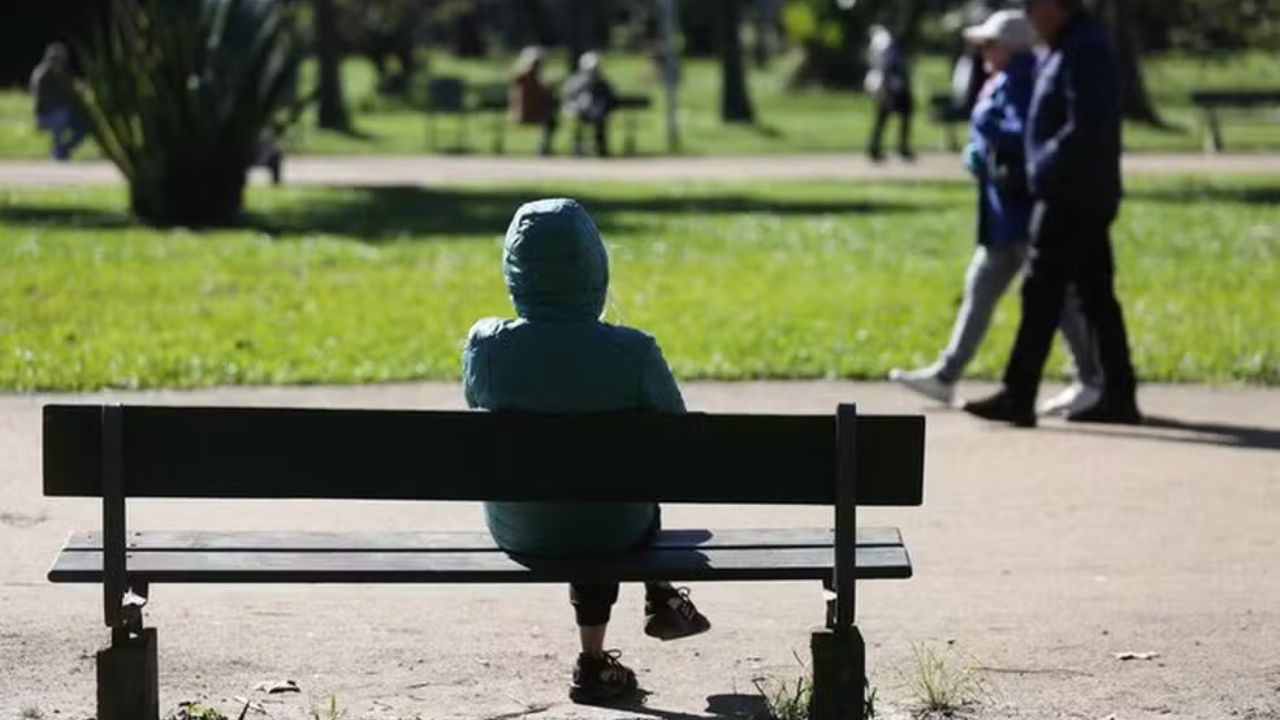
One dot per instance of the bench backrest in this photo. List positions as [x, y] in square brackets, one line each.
[1237, 97]
[197, 452]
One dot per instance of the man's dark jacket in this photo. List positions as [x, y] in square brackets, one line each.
[1074, 125]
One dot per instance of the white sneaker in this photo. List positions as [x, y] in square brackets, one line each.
[1076, 398]
[926, 383]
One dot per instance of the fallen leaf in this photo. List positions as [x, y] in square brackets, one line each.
[1137, 655]
[278, 686]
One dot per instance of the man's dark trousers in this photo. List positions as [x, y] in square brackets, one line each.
[1070, 245]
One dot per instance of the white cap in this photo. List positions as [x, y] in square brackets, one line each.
[1006, 27]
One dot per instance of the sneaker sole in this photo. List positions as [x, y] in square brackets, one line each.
[583, 696]
[666, 637]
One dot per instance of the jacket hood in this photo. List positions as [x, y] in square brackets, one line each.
[555, 263]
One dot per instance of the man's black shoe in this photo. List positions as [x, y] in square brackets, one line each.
[1109, 411]
[1002, 408]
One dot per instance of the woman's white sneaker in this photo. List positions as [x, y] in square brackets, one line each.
[926, 383]
[1077, 398]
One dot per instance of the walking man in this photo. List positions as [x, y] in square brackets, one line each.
[1073, 167]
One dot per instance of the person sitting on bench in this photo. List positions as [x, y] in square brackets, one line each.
[559, 357]
[589, 99]
[533, 102]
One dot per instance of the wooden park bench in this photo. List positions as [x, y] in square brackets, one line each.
[1212, 102]
[944, 110]
[630, 106]
[118, 452]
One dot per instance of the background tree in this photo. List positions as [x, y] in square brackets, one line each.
[182, 94]
[386, 32]
[735, 100]
[332, 113]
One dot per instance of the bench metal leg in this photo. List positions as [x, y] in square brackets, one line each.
[839, 675]
[1214, 142]
[128, 681]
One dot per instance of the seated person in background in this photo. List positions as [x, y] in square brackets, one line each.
[558, 357]
[589, 98]
[531, 101]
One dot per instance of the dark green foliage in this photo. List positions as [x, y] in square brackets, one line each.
[180, 93]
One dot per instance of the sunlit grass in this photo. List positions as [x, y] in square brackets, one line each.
[808, 121]
[745, 280]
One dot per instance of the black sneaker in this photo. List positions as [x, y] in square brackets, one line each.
[1001, 407]
[1109, 411]
[673, 616]
[602, 679]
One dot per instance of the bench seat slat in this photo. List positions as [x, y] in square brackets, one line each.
[885, 562]
[255, 541]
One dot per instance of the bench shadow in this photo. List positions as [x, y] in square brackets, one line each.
[1183, 431]
[719, 707]
[381, 214]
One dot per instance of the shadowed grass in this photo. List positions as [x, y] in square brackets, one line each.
[738, 280]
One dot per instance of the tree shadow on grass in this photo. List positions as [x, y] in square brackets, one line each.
[381, 214]
[1248, 195]
[64, 216]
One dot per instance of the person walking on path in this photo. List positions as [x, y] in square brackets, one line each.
[997, 159]
[1073, 165]
[52, 87]
[558, 357]
[888, 82]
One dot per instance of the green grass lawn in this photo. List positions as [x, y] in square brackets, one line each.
[810, 121]
[745, 280]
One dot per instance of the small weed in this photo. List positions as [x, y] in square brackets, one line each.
[790, 701]
[32, 712]
[196, 711]
[940, 688]
[332, 712]
[783, 700]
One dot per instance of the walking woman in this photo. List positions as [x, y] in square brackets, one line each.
[996, 157]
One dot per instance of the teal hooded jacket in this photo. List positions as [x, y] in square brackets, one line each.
[558, 357]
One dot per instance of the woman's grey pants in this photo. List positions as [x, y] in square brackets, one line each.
[988, 277]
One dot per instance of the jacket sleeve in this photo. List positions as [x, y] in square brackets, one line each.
[658, 387]
[1092, 99]
[1003, 124]
[475, 368]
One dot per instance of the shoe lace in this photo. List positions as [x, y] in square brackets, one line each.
[684, 606]
[611, 666]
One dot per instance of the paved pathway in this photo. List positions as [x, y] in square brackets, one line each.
[384, 170]
[1039, 555]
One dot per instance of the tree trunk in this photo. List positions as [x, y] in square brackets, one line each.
[333, 108]
[580, 24]
[766, 23]
[735, 101]
[1133, 85]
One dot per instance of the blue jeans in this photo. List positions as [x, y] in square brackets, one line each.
[67, 132]
[989, 276]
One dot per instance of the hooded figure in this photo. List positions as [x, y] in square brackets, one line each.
[558, 357]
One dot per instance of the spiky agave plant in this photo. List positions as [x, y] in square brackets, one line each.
[179, 95]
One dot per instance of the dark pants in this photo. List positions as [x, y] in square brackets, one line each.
[600, 132]
[1070, 246]
[593, 601]
[905, 107]
[549, 125]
